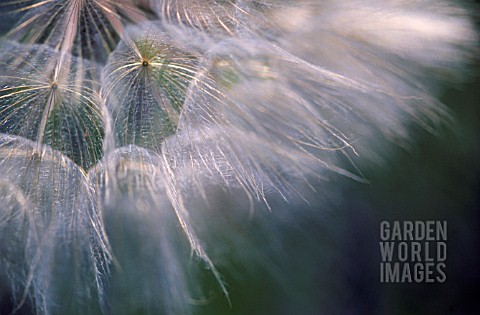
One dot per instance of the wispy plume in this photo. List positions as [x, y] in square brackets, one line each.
[121, 122]
[50, 227]
[59, 102]
[86, 28]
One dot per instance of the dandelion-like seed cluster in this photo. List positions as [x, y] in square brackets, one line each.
[119, 118]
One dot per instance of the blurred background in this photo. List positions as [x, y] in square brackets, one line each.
[330, 262]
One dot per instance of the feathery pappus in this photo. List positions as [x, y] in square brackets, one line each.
[150, 147]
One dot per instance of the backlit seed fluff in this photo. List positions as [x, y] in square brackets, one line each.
[149, 149]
